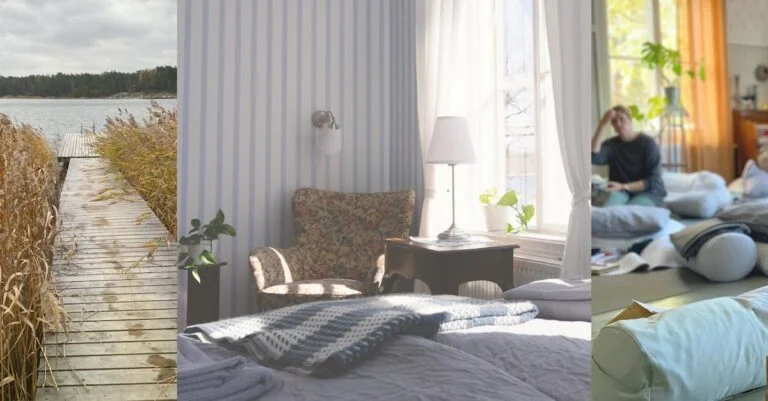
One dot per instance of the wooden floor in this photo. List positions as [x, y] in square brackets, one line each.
[121, 341]
[76, 145]
[665, 288]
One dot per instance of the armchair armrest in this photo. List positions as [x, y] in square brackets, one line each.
[375, 276]
[272, 266]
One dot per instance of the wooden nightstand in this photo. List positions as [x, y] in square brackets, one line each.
[443, 269]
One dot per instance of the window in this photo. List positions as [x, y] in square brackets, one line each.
[534, 166]
[630, 23]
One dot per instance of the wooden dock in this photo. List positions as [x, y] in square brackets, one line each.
[76, 145]
[115, 271]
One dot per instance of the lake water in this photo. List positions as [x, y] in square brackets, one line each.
[59, 116]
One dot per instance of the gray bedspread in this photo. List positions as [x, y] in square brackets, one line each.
[552, 356]
[409, 368]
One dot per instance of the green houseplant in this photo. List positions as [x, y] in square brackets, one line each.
[201, 244]
[505, 213]
[656, 56]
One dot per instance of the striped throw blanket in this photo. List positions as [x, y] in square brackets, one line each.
[326, 338]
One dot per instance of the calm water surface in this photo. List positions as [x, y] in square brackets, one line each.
[58, 116]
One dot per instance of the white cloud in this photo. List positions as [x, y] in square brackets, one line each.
[73, 36]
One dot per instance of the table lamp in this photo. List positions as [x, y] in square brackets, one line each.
[451, 144]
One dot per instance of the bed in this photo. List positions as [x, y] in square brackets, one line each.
[540, 359]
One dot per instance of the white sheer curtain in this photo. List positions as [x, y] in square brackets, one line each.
[458, 75]
[570, 48]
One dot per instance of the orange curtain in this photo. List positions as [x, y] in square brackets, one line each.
[702, 39]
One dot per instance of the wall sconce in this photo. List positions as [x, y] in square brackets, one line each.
[330, 132]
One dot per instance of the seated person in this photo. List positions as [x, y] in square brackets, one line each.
[634, 162]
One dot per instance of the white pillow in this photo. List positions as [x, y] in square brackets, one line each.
[703, 351]
[726, 257]
[755, 181]
[686, 182]
[564, 310]
[762, 256]
[698, 203]
[552, 290]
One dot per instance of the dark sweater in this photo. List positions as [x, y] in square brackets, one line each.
[638, 159]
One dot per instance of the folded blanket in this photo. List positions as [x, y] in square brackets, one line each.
[752, 213]
[201, 378]
[689, 240]
[326, 338]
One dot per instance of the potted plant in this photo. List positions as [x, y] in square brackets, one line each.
[505, 213]
[199, 259]
[656, 56]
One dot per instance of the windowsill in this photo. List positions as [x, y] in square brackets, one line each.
[533, 244]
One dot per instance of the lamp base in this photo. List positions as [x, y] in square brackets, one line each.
[453, 233]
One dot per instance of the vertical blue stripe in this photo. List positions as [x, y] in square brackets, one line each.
[313, 150]
[183, 162]
[368, 100]
[283, 128]
[355, 111]
[254, 112]
[236, 156]
[203, 114]
[268, 133]
[328, 104]
[382, 81]
[299, 102]
[346, 131]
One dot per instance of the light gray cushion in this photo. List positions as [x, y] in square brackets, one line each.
[578, 311]
[627, 221]
[726, 257]
[754, 181]
[698, 204]
[552, 290]
[691, 353]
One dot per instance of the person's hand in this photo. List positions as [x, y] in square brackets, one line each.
[614, 186]
[607, 117]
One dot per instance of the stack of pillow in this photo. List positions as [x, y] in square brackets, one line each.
[697, 195]
[754, 214]
[557, 299]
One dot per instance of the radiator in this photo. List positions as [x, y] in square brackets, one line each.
[527, 269]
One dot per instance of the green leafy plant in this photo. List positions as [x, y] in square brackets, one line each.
[656, 56]
[523, 213]
[198, 234]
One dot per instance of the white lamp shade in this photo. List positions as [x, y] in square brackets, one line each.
[451, 143]
[330, 140]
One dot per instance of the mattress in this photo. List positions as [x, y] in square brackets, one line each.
[539, 360]
[552, 356]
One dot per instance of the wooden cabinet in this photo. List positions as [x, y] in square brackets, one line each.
[747, 127]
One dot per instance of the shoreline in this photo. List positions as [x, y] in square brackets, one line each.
[147, 96]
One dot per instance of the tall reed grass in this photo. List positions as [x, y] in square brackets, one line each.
[28, 302]
[145, 155]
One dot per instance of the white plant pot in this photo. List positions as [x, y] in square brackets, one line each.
[497, 217]
[195, 250]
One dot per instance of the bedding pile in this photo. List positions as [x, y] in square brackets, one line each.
[326, 338]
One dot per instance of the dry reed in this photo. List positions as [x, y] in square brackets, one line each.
[145, 155]
[29, 176]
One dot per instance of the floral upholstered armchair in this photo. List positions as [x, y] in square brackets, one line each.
[339, 247]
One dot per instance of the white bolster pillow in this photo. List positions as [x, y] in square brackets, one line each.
[707, 350]
[726, 257]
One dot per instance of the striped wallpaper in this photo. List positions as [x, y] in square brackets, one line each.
[251, 74]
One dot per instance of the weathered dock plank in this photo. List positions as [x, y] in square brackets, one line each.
[114, 269]
[73, 145]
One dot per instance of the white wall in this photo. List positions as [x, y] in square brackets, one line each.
[251, 74]
[747, 36]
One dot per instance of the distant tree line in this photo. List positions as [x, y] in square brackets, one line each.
[159, 79]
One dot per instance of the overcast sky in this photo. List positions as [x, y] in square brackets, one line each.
[71, 36]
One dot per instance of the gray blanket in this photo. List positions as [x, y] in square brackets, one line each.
[326, 338]
[689, 240]
[752, 213]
